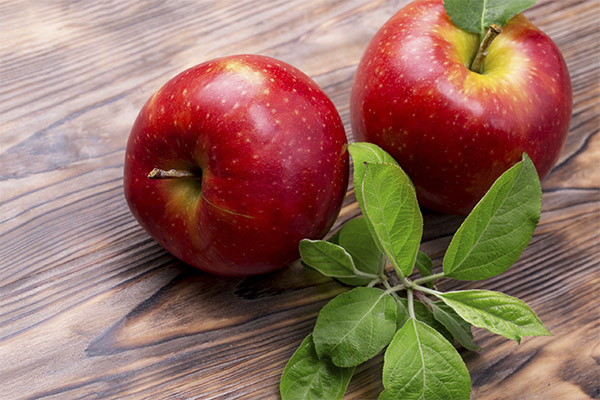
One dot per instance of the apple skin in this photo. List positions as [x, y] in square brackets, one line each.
[272, 154]
[452, 130]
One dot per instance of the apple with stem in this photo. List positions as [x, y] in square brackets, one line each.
[234, 161]
[455, 108]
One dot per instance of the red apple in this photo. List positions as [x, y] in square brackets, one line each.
[260, 162]
[452, 130]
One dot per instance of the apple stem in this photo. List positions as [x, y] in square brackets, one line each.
[157, 173]
[493, 31]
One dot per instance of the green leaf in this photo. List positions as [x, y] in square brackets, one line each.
[327, 258]
[425, 266]
[423, 314]
[356, 239]
[390, 205]
[362, 153]
[477, 15]
[355, 326]
[493, 236]
[306, 377]
[497, 312]
[352, 281]
[458, 327]
[421, 364]
[335, 238]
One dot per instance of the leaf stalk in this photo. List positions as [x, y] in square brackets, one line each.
[426, 290]
[429, 278]
[411, 305]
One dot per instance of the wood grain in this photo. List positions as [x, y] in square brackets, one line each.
[91, 307]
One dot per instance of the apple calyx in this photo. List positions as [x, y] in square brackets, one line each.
[493, 31]
[158, 173]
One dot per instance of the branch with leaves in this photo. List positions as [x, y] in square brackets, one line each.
[416, 322]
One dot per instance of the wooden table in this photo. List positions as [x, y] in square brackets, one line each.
[91, 307]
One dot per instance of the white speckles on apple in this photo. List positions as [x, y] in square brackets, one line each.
[266, 91]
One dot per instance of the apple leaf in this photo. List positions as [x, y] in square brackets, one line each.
[390, 205]
[425, 266]
[421, 364]
[423, 314]
[355, 326]
[306, 377]
[327, 258]
[356, 240]
[493, 236]
[335, 238]
[459, 328]
[497, 312]
[421, 361]
[363, 152]
[477, 15]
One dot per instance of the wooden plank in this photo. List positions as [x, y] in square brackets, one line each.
[91, 307]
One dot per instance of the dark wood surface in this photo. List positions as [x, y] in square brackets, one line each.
[91, 307]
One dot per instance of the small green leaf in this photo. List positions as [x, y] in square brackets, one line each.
[352, 281]
[306, 377]
[458, 327]
[421, 364]
[335, 238]
[356, 239]
[362, 153]
[497, 312]
[425, 266]
[423, 314]
[327, 258]
[493, 236]
[477, 15]
[355, 326]
[390, 205]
